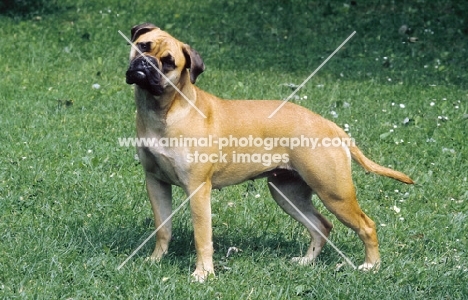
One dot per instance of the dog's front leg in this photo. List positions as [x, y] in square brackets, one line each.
[160, 195]
[200, 207]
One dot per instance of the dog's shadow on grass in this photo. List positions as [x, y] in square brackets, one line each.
[228, 248]
[241, 240]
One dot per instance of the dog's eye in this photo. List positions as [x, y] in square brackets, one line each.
[144, 46]
[168, 63]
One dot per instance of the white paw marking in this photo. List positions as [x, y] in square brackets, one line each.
[368, 267]
[302, 261]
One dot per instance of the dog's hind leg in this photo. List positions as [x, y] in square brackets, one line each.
[333, 184]
[297, 192]
[346, 208]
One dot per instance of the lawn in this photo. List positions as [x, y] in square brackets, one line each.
[73, 204]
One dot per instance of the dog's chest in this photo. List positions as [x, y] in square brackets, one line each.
[165, 163]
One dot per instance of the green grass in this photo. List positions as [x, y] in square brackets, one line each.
[73, 204]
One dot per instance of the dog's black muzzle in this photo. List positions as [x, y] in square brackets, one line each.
[142, 72]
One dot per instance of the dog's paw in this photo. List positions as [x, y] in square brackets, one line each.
[303, 260]
[202, 275]
[153, 258]
[369, 267]
[157, 254]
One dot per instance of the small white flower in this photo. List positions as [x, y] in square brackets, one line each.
[90, 151]
[257, 196]
[452, 151]
[96, 86]
[383, 225]
[432, 104]
[396, 209]
[402, 105]
[291, 85]
[232, 250]
[443, 118]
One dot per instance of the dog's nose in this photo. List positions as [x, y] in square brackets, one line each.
[144, 72]
[139, 70]
[135, 77]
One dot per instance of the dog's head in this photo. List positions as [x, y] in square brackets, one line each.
[158, 52]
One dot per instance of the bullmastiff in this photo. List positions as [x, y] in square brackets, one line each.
[200, 142]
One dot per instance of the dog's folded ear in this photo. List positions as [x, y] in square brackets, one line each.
[193, 62]
[140, 29]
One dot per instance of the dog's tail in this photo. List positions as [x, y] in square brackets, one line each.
[373, 167]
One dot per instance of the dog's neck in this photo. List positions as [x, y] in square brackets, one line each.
[146, 102]
[150, 109]
[159, 112]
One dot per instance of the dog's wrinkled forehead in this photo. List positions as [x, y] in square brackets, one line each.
[151, 39]
[138, 30]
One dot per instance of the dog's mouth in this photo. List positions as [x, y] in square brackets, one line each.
[142, 72]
